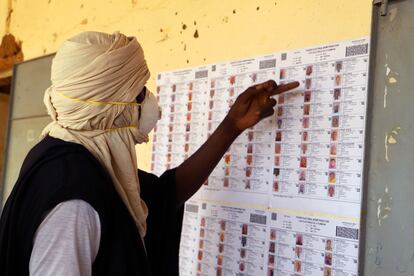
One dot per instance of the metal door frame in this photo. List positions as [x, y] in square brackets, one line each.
[8, 127]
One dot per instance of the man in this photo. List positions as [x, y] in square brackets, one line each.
[332, 163]
[79, 207]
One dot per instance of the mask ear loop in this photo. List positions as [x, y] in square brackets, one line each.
[99, 102]
[96, 102]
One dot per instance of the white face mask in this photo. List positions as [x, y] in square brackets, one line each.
[150, 113]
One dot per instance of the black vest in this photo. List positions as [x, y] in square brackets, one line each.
[55, 171]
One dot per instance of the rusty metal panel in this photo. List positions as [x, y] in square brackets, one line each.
[389, 194]
[27, 117]
[30, 80]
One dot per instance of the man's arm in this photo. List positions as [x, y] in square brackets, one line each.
[67, 241]
[251, 107]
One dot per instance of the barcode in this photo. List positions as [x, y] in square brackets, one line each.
[201, 74]
[357, 50]
[274, 216]
[284, 56]
[269, 63]
[191, 208]
[255, 218]
[346, 232]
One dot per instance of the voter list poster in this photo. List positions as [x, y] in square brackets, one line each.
[286, 197]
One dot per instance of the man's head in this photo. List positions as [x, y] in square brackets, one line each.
[328, 243]
[98, 84]
[331, 191]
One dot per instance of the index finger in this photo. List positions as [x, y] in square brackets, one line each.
[283, 88]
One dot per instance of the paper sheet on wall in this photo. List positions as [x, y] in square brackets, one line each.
[286, 197]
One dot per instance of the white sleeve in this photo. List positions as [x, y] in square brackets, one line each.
[67, 241]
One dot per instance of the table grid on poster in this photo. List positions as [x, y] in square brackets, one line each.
[229, 240]
[303, 165]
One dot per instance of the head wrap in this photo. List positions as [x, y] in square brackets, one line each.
[95, 80]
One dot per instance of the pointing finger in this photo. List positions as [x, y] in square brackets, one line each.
[283, 88]
[268, 85]
[257, 89]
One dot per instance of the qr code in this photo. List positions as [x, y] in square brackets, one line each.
[269, 63]
[346, 232]
[255, 218]
[284, 56]
[274, 216]
[201, 74]
[356, 50]
[191, 208]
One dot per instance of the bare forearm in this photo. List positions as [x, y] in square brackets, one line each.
[192, 173]
[250, 107]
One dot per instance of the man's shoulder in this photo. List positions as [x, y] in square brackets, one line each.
[54, 151]
[58, 162]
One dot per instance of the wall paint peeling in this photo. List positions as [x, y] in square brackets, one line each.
[387, 72]
[392, 14]
[392, 80]
[384, 206]
[387, 158]
[391, 138]
[378, 257]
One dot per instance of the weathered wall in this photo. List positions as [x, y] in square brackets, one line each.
[184, 33]
[4, 4]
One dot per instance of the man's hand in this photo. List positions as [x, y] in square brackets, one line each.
[255, 104]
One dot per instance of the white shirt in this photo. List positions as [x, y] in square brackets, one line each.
[67, 241]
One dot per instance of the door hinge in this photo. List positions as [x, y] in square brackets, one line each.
[383, 6]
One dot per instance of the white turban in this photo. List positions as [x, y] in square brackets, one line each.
[95, 80]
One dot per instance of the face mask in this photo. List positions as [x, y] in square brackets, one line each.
[150, 113]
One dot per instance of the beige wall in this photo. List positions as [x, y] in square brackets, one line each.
[3, 15]
[228, 29]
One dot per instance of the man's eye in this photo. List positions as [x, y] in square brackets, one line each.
[141, 96]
